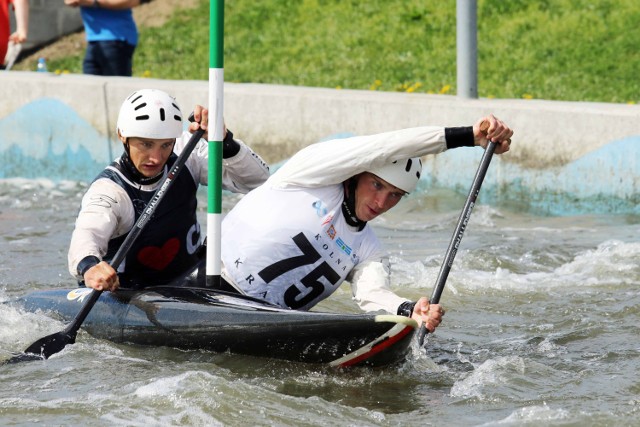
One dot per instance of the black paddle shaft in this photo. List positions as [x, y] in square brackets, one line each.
[465, 215]
[52, 344]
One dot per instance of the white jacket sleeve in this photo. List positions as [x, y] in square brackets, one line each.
[106, 212]
[240, 174]
[244, 171]
[370, 287]
[332, 162]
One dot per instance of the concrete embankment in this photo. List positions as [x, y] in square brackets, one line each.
[566, 158]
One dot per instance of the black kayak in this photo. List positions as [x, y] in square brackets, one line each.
[206, 319]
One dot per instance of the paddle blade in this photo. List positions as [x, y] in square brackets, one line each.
[44, 347]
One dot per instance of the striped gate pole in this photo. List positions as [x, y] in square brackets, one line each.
[214, 188]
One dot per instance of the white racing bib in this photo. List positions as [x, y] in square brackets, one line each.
[296, 252]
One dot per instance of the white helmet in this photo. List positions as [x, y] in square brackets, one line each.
[403, 174]
[150, 113]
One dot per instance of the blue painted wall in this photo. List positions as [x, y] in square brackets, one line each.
[605, 181]
[48, 139]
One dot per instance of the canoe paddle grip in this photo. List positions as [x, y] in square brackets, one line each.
[463, 220]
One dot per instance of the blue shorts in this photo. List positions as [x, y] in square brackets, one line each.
[109, 58]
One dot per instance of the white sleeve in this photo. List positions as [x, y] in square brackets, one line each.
[332, 162]
[106, 212]
[244, 171]
[370, 287]
[240, 174]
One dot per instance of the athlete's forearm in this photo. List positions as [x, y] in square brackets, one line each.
[244, 171]
[334, 161]
[370, 287]
[106, 213]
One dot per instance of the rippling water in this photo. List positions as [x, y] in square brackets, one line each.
[541, 329]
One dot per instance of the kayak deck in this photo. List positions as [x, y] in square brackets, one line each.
[206, 319]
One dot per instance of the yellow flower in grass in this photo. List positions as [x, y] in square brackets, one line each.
[402, 87]
[375, 85]
[414, 87]
[527, 96]
[146, 74]
[445, 89]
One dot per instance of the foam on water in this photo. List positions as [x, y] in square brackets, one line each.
[610, 263]
[20, 328]
[504, 378]
[537, 414]
[541, 328]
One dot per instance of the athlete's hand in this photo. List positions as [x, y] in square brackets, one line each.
[102, 277]
[490, 128]
[201, 120]
[429, 314]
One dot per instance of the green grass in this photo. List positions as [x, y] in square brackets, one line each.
[572, 50]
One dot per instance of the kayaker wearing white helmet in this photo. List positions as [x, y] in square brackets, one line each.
[150, 126]
[296, 238]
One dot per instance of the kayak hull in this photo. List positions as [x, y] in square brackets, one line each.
[205, 319]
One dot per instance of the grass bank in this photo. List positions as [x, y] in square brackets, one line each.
[573, 50]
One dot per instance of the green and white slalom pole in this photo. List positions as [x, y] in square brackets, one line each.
[216, 117]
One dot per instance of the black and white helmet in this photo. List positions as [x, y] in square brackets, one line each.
[150, 113]
[403, 174]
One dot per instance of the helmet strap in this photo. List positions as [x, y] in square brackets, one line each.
[349, 204]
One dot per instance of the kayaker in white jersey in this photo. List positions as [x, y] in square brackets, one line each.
[150, 126]
[296, 238]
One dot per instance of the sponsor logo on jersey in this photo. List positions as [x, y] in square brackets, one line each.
[331, 232]
[320, 209]
[343, 246]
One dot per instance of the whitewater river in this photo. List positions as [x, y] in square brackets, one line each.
[542, 329]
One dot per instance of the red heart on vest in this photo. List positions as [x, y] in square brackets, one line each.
[158, 258]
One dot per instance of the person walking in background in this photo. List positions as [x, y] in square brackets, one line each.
[21, 9]
[112, 35]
